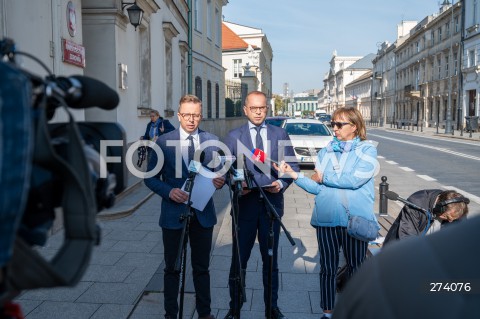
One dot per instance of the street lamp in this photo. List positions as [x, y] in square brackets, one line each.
[135, 13]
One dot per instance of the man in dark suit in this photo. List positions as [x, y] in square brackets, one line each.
[167, 183]
[253, 218]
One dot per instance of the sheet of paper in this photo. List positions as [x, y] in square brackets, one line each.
[202, 191]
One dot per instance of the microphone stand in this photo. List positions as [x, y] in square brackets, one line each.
[272, 213]
[181, 262]
[239, 296]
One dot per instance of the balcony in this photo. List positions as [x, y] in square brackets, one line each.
[411, 93]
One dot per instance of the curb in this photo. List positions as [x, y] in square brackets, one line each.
[118, 212]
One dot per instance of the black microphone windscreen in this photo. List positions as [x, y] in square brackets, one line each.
[391, 195]
[95, 93]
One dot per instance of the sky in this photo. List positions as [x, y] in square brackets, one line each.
[304, 33]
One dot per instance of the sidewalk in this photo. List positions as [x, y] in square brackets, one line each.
[432, 131]
[124, 278]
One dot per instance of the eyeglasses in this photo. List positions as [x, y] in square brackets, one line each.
[187, 116]
[339, 124]
[257, 108]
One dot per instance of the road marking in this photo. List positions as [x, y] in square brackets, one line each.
[391, 162]
[472, 142]
[445, 150]
[427, 178]
[472, 197]
[379, 156]
[407, 169]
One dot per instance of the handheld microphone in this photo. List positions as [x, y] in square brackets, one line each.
[260, 156]
[248, 180]
[394, 196]
[83, 92]
[194, 169]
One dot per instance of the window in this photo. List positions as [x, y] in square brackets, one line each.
[209, 18]
[447, 29]
[237, 68]
[474, 16]
[439, 68]
[457, 24]
[417, 44]
[439, 34]
[198, 87]
[209, 99]
[471, 58]
[432, 37]
[218, 28]
[455, 62]
[446, 66]
[217, 101]
[197, 15]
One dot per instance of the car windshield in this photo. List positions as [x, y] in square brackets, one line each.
[325, 118]
[307, 129]
[276, 122]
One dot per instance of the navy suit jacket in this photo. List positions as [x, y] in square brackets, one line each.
[274, 136]
[166, 180]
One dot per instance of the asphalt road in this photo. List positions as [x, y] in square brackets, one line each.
[451, 162]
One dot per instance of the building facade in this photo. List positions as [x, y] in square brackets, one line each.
[470, 59]
[257, 57]
[146, 65]
[343, 70]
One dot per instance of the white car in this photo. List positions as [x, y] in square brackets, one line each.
[308, 138]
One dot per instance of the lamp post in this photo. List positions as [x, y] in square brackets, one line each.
[135, 13]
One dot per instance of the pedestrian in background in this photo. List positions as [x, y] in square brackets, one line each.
[156, 127]
[167, 184]
[253, 218]
[343, 185]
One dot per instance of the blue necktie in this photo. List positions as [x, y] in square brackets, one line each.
[191, 149]
[258, 139]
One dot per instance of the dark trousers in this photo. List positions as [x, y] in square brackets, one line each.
[200, 240]
[330, 239]
[248, 231]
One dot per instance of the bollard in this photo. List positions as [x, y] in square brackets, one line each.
[453, 129]
[421, 127]
[383, 203]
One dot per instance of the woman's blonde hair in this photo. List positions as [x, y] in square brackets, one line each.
[353, 116]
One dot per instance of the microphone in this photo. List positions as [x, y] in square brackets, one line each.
[260, 156]
[238, 175]
[83, 92]
[194, 169]
[248, 180]
[394, 196]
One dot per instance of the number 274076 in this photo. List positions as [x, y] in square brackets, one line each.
[450, 287]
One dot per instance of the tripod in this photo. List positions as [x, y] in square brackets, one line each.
[239, 274]
[181, 262]
[273, 215]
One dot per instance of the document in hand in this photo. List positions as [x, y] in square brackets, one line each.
[203, 190]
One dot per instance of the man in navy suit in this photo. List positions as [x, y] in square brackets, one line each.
[168, 183]
[253, 219]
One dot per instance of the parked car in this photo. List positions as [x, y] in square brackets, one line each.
[325, 119]
[308, 138]
[276, 120]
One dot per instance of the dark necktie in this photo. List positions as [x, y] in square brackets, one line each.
[258, 139]
[191, 149]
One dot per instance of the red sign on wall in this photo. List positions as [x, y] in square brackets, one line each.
[73, 53]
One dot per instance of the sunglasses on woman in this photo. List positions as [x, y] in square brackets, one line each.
[339, 124]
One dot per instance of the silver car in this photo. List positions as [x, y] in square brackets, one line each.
[308, 138]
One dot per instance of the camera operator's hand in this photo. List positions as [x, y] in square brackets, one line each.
[177, 195]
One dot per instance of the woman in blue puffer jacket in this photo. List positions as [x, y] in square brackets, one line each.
[343, 185]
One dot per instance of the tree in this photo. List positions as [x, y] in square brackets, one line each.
[279, 105]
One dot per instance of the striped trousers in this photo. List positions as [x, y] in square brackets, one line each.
[330, 240]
